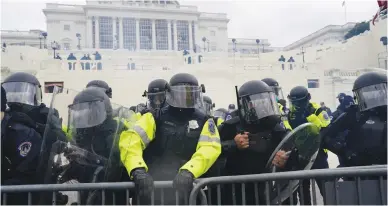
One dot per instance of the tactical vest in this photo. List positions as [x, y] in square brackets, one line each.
[175, 142]
[369, 140]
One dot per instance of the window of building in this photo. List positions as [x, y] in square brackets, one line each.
[313, 83]
[212, 33]
[66, 27]
[106, 32]
[161, 30]
[183, 35]
[49, 86]
[129, 34]
[145, 34]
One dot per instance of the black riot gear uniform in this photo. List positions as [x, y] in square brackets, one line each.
[178, 130]
[101, 84]
[24, 95]
[359, 136]
[94, 129]
[259, 115]
[20, 148]
[156, 93]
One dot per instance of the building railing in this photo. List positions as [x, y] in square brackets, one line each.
[352, 185]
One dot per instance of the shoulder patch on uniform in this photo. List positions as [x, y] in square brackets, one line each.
[193, 124]
[24, 148]
[326, 116]
[212, 126]
[228, 117]
[282, 124]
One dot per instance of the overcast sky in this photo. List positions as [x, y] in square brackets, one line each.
[282, 22]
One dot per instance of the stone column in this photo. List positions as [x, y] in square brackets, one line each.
[195, 33]
[169, 35]
[190, 36]
[153, 35]
[121, 33]
[97, 26]
[175, 36]
[138, 34]
[115, 40]
[89, 32]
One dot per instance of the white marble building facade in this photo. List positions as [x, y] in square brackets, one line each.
[134, 25]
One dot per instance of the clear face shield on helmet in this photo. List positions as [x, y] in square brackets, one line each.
[258, 106]
[278, 92]
[371, 96]
[156, 100]
[208, 108]
[184, 96]
[23, 92]
[219, 114]
[87, 114]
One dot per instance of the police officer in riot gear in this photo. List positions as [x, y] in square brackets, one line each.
[24, 95]
[185, 145]
[275, 86]
[94, 129]
[249, 139]
[303, 111]
[156, 94]
[101, 84]
[208, 105]
[280, 98]
[359, 136]
[20, 147]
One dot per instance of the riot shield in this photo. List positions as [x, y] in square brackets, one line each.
[301, 145]
[90, 152]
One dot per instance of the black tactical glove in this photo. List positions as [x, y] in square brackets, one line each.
[183, 181]
[144, 183]
[309, 110]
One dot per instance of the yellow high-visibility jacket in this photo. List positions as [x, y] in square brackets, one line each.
[132, 143]
[320, 118]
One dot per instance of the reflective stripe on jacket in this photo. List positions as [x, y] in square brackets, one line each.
[132, 143]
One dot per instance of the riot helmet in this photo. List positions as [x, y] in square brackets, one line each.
[231, 107]
[102, 85]
[184, 91]
[208, 105]
[23, 88]
[156, 93]
[257, 101]
[141, 107]
[221, 113]
[90, 108]
[133, 108]
[275, 86]
[370, 91]
[299, 98]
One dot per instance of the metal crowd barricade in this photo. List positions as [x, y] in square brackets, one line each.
[352, 185]
[355, 187]
[54, 188]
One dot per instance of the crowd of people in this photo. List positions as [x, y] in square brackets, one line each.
[177, 136]
[86, 57]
